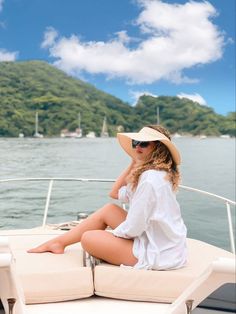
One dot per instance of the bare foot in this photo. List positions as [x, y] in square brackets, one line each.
[53, 247]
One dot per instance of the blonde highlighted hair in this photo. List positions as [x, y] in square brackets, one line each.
[159, 159]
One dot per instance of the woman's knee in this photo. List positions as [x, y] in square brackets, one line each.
[88, 239]
[112, 215]
[104, 210]
[107, 207]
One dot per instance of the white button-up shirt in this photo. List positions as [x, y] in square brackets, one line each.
[154, 222]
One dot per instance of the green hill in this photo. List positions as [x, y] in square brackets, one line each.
[27, 87]
[185, 116]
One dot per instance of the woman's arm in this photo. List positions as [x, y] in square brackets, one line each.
[139, 214]
[121, 180]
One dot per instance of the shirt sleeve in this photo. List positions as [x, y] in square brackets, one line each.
[123, 194]
[139, 212]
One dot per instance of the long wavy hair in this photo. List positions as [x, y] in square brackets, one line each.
[159, 159]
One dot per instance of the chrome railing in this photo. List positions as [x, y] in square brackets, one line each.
[226, 201]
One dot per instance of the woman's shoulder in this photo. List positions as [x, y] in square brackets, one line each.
[154, 176]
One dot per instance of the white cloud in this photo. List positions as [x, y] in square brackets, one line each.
[173, 37]
[136, 94]
[123, 37]
[50, 36]
[4, 54]
[8, 56]
[194, 97]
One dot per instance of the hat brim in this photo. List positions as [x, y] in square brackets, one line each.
[144, 135]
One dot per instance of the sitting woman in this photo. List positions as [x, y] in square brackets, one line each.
[152, 234]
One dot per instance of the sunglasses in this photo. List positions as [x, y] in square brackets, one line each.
[140, 144]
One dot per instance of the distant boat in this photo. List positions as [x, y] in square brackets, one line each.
[202, 137]
[21, 135]
[225, 136]
[64, 132]
[37, 134]
[67, 133]
[104, 132]
[76, 134]
[78, 131]
[176, 135]
[91, 134]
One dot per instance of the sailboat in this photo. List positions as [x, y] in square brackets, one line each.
[158, 116]
[104, 132]
[78, 131]
[37, 134]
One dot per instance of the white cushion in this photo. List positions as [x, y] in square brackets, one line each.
[157, 286]
[48, 277]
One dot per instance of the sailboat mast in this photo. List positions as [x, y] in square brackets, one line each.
[36, 122]
[104, 126]
[158, 115]
[104, 132]
[79, 120]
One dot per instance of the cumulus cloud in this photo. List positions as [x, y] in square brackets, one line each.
[172, 38]
[194, 97]
[50, 36]
[136, 94]
[8, 56]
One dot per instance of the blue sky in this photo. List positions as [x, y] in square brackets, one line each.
[130, 47]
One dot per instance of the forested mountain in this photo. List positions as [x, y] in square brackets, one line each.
[185, 116]
[27, 87]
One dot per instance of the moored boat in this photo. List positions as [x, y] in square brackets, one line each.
[91, 134]
[104, 131]
[76, 134]
[36, 133]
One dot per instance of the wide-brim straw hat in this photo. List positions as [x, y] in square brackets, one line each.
[144, 135]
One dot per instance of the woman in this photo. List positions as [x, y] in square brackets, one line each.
[152, 234]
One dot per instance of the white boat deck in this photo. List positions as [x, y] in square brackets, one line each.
[98, 305]
[218, 272]
[101, 305]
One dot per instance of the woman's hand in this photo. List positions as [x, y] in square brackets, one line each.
[121, 180]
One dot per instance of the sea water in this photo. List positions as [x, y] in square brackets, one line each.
[207, 164]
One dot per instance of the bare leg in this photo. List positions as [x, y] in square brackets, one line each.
[110, 215]
[104, 245]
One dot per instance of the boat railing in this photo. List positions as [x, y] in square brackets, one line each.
[51, 181]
